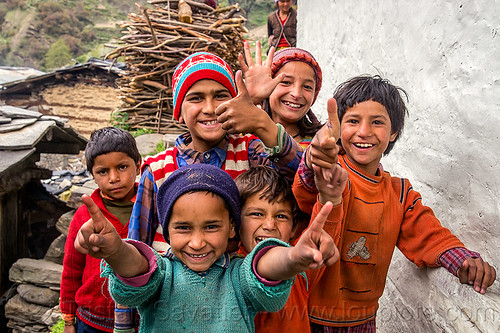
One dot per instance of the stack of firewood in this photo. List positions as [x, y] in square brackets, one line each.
[154, 42]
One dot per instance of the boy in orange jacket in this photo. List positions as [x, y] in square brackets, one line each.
[380, 211]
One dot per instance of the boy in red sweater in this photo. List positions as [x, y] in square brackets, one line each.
[269, 210]
[380, 211]
[114, 161]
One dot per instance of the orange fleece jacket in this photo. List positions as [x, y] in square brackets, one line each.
[380, 213]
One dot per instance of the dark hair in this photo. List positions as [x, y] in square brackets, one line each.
[366, 87]
[108, 140]
[276, 5]
[307, 125]
[271, 184]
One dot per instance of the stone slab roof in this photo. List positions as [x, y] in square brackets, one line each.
[26, 84]
[9, 74]
[24, 134]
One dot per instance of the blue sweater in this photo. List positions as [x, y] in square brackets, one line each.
[224, 299]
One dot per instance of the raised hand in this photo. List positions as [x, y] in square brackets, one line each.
[258, 76]
[316, 247]
[97, 237]
[323, 151]
[240, 115]
[330, 183]
[477, 273]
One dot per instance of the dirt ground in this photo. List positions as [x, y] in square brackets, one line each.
[258, 33]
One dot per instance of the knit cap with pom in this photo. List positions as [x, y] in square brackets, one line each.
[199, 66]
[197, 177]
[289, 54]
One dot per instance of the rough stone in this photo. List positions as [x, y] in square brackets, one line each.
[55, 253]
[147, 143]
[169, 140]
[75, 199]
[21, 311]
[62, 224]
[26, 328]
[65, 183]
[38, 295]
[39, 272]
[52, 316]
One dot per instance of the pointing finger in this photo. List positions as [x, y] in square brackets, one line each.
[319, 221]
[99, 221]
[333, 119]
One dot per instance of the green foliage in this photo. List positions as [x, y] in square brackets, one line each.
[140, 131]
[257, 16]
[160, 147]
[13, 4]
[57, 20]
[58, 55]
[3, 12]
[58, 327]
[119, 120]
[29, 29]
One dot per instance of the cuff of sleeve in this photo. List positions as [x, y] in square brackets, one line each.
[335, 215]
[69, 319]
[141, 280]
[259, 255]
[453, 258]
[306, 175]
[281, 139]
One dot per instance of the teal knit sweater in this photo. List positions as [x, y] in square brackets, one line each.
[225, 299]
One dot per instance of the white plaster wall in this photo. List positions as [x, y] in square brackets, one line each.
[446, 55]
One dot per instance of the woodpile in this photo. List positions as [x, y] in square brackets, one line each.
[154, 42]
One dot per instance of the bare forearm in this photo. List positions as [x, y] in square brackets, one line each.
[128, 261]
[276, 264]
[267, 131]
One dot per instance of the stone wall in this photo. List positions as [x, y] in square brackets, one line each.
[445, 54]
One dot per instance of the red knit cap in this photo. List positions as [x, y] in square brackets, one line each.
[288, 54]
[196, 67]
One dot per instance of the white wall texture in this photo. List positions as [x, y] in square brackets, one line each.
[446, 55]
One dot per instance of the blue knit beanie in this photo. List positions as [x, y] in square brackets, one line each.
[197, 177]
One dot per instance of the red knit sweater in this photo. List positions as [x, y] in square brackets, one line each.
[83, 291]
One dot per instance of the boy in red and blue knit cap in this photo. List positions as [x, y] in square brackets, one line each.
[202, 83]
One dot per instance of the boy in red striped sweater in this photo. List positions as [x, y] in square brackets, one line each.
[201, 84]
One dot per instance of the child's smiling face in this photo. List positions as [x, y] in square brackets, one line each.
[199, 229]
[261, 219]
[198, 113]
[365, 132]
[293, 97]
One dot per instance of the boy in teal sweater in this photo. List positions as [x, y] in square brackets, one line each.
[196, 286]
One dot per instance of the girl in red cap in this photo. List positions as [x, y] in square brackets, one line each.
[286, 86]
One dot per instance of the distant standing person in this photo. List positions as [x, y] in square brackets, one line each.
[282, 25]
